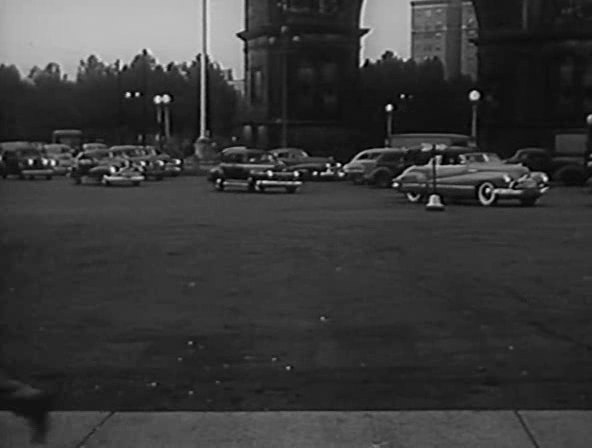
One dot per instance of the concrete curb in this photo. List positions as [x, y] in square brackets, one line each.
[359, 429]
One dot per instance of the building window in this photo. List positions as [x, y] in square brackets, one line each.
[257, 86]
[329, 72]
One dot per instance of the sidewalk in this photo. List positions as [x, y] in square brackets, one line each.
[398, 429]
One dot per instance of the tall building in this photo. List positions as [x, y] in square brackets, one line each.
[445, 29]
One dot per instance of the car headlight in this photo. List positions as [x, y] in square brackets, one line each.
[507, 179]
[338, 165]
[328, 165]
[142, 163]
[269, 173]
[544, 178]
[112, 170]
[296, 174]
[176, 162]
[30, 161]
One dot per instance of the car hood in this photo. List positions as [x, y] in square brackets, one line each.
[308, 160]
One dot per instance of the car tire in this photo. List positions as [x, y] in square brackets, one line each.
[528, 202]
[252, 185]
[485, 193]
[570, 176]
[382, 180]
[291, 190]
[136, 183]
[48, 177]
[414, 198]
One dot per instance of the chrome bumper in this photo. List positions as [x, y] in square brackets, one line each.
[115, 179]
[278, 183]
[38, 172]
[510, 193]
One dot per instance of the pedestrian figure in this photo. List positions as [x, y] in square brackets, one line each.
[28, 402]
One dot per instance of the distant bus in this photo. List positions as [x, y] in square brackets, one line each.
[419, 139]
[71, 137]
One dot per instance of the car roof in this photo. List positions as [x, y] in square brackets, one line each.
[242, 149]
[287, 149]
[15, 146]
[532, 149]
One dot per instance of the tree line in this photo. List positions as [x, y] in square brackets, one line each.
[95, 101]
[424, 100]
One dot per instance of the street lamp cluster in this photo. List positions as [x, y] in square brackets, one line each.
[390, 109]
[163, 115]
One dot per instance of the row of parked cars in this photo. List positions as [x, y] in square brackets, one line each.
[125, 164]
[455, 172]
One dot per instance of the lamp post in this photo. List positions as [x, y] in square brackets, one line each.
[434, 201]
[203, 133]
[162, 103]
[589, 142]
[130, 95]
[389, 109]
[474, 98]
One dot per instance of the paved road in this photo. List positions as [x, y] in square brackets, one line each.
[174, 297]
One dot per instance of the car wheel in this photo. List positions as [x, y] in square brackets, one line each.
[382, 180]
[570, 177]
[291, 190]
[414, 198]
[77, 180]
[528, 202]
[219, 184]
[136, 183]
[486, 194]
[252, 186]
[48, 177]
[31, 177]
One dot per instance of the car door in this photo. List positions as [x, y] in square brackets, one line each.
[231, 165]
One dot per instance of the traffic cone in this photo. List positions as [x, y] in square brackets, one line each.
[435, 203]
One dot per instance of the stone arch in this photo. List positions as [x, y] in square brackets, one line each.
[517, 46]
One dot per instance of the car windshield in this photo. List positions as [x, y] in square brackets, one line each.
[28, 152]
[57, 150]
[260, 158]
[483, 157]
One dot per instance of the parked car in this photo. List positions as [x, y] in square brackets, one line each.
[461, 174]
[100, 166]
[566, 169]
[311, 168]
[255, 170]
[173, 166]
[138, 156]
[362, 163]
[390, 164]
[61, 157]
[24, 160]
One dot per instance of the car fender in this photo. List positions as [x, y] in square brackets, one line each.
[497, 178]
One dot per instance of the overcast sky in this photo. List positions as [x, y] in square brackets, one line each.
[35, 32]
